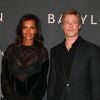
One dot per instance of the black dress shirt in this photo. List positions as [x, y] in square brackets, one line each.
[68, 56]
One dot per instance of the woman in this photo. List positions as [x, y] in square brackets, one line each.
[25, 63]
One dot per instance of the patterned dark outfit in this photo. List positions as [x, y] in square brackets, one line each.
[24, 72]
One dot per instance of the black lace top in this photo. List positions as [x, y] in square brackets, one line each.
[24, 71]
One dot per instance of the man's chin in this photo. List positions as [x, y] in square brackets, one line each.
[71, 36]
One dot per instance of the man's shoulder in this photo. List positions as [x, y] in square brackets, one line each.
[57, 47]
[89, 45]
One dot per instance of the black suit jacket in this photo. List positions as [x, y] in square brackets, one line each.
[84, 79]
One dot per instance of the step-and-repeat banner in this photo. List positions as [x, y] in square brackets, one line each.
[49, 12]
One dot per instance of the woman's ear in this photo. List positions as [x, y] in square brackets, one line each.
[61, 26]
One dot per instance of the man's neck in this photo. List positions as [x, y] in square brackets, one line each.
[69, 42]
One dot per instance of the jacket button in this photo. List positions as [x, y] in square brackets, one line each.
[67, 85]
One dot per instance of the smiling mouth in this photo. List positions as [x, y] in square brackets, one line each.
[70, 32]
[28, 35]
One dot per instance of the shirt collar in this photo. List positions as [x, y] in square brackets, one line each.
[76, 43]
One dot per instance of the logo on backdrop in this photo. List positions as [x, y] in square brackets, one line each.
[90, 18]
[1, 17]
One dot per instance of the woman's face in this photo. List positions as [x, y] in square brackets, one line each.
[29, 30]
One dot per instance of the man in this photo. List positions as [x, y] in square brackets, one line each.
[1, 54]
[74, 64]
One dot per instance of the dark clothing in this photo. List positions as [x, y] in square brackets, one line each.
[83, 82]
[68, 56]
[24, 72]
[19, 97]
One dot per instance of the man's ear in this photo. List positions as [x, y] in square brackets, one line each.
[80, 26]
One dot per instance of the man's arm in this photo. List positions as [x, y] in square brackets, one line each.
[95, 74]
[5, 86]
[1, 54]
[51, 79]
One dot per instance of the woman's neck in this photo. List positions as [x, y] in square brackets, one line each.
[28, 42]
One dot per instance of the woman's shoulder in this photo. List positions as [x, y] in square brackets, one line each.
[10, 48]
[44, 50]
[44, 53]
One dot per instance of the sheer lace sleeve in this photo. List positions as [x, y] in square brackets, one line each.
[5, 80]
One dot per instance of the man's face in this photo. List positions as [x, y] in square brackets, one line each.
[71, 25]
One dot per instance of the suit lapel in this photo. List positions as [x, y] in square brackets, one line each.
[78, 55]
[60, 63]
[74, 67]
[61, 69]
